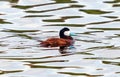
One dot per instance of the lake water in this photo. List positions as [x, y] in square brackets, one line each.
[97, 44]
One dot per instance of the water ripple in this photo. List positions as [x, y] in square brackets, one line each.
[25, 23]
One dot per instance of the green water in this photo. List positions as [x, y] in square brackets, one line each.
[97, 47]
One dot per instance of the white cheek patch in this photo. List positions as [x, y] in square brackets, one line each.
[67, 33]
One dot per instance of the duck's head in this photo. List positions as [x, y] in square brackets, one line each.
[65, 33]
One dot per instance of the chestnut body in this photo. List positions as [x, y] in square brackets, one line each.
[63, 41]
[56, 42]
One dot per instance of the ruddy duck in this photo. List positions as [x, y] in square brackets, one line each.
[65, 39]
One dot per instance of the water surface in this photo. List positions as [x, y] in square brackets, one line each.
[24, 22]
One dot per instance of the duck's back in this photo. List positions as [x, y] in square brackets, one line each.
[56, 42]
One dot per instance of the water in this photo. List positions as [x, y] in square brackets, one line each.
[24, 22]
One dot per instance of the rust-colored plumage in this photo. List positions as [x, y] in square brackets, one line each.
[55, 42]
[65, 40]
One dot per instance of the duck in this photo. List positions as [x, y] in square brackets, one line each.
[65, 39]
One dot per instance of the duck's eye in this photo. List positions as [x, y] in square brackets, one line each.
[67, 33]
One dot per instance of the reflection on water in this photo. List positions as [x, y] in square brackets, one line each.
[67, 50]
[24, 23]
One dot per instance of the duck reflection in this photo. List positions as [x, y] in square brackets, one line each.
[67, 50]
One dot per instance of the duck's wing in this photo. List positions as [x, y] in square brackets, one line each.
[55, 42]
